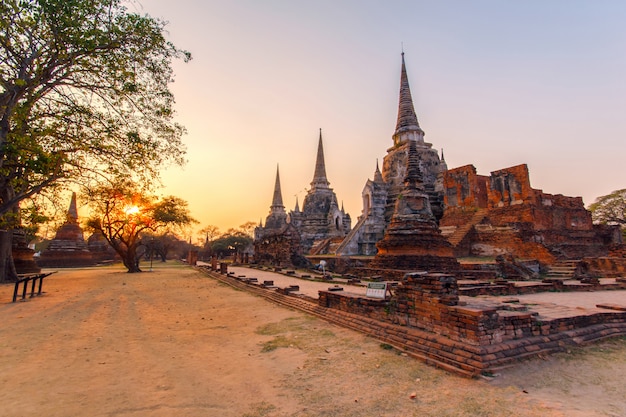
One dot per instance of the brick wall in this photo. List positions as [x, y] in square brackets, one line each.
[502, 336]
[430, 302]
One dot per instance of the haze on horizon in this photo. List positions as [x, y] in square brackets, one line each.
[494, 84]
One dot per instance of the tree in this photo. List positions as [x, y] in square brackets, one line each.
[162, 244]
[610, 209]
[231, 242]
[248, 228]
[84, 90]
[206, 237]
[208, 233]
[123, 212]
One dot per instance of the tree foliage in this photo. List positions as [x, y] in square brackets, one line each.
[232, 242]
[248, 228]
[122, 213]
[162, 245]
[83, 91]
[610, 209]
[208, 233]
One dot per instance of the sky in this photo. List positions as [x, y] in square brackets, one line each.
[494, 84]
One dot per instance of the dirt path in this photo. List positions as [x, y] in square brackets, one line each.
[101, 342]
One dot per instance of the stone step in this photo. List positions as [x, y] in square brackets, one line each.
[563, 269]
[459, 233]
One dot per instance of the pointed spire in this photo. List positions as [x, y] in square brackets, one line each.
[413, 177]
[444, 165]
[277, 200]
[378, 177]
[297, 209]
[72, 211]
[319, 178]
[407, 119]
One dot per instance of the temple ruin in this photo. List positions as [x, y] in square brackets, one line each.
[278, 242]
[68, 248]
[480, 216]
[320, 226]
[413, 240]
[430, 239]
[502, 214]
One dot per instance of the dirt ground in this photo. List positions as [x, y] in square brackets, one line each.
[101, 342]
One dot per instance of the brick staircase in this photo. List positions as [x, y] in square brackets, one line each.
[462, 231]
[320, 246]
[350, 235]
[562, 270]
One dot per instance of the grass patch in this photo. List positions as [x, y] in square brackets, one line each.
[288, 325]
[326, 333]
[279, 342]
[260, 410]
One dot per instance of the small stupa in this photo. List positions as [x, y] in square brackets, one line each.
[413, 241]
[68, 248]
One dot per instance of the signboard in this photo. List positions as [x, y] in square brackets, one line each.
[376, 290]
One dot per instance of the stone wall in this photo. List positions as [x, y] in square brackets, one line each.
[278, 247]
[518, 220]
[490, 241]
[464, 188]
[510, 186]
[502, 336]
[426, 318]
[606, 267]
[430, 302]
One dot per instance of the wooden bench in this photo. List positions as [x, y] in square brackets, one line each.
[25, 278]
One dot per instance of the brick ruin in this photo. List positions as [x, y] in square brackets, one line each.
[418, 215]
[69, 249]
[499, 215]
[502, 214]
[321, 220]
[380, 195]
[425, 318]
[413, 240]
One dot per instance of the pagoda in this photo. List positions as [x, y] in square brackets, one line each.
[278, 242]
[68, 248]
[413, 241]
[321, 220]
[380, 194]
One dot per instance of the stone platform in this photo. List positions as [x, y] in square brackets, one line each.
[477, 335]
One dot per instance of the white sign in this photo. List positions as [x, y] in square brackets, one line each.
[376, 290]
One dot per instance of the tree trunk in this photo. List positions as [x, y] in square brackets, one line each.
[7, 267]
[131, 262]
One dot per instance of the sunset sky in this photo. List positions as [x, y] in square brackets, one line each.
[494, 83]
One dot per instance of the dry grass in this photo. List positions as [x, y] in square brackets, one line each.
[348, 379]
[174, 342]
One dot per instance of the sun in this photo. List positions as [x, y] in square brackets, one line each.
[130, 210]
